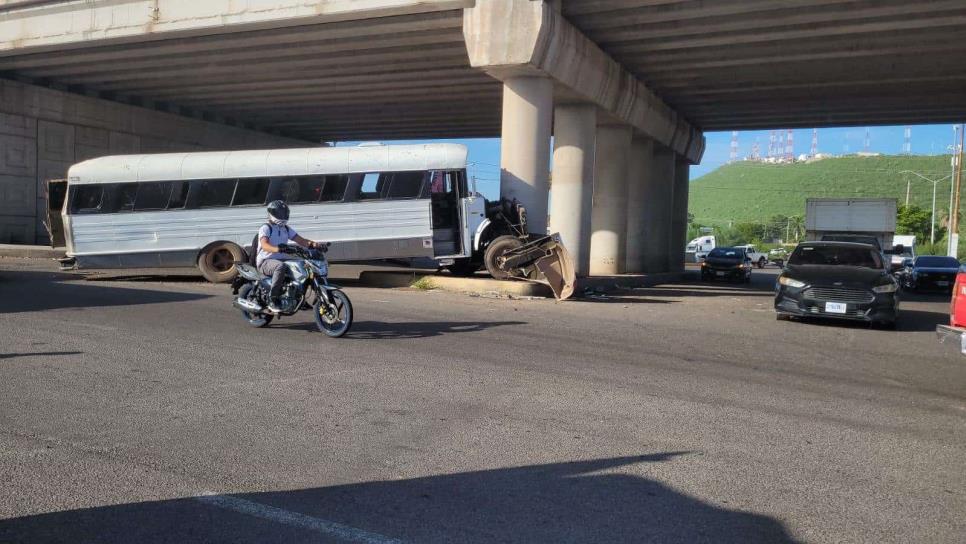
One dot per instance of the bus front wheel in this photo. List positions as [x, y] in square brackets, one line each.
[496, 249]
[217, 261]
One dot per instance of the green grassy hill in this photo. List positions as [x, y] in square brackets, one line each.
[752, 191]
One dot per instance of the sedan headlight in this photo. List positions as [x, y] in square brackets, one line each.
[886, 288]
[789, 282]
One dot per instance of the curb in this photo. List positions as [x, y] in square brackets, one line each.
[613, 283]
[31, 252]
[454, 284]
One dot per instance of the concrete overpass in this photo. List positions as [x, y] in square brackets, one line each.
[625, 86]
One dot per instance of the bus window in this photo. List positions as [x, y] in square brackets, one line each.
[334, 188]
[371, 185]
[211, 193]
[179, 193]
[310, 188]
[86, 199]
[405, 185]
[286, 189]
[152, 196]
[119, 198]
[250, 192]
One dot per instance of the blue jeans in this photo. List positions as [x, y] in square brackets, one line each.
[276, 269]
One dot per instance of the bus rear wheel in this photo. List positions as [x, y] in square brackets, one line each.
[217, 261]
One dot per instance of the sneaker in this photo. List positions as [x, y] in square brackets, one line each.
[273, 308]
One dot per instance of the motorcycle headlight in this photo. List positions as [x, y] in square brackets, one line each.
[789, 282]
[885, 288]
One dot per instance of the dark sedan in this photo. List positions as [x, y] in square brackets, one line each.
[930, 272]
[727, 263]
[838, 280]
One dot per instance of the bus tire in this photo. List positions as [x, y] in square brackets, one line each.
[497, 248]
[217, 261]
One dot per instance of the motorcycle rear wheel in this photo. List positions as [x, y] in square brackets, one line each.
[255, 320]
[334, 320]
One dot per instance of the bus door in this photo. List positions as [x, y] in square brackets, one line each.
[447, 219]
[54, 222]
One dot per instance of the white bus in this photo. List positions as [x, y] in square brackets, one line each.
[203, 209]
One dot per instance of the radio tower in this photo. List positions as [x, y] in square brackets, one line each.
[756, 151]
[814, 150]
[734, 146]
[907, 144]
[772, 142]
[790, 146]
[868, 140]
[780, 146]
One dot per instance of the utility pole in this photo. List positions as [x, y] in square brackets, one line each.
[957, 180]
[908, 183]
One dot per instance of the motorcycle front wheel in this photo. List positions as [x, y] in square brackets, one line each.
[253, 319]
[336, 318]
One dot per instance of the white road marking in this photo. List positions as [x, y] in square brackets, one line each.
[295, 519]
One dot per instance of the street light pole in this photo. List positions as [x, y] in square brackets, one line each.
[935, 182]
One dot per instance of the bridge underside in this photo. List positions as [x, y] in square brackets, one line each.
[386, 78]
[743, 64]
[726, 65]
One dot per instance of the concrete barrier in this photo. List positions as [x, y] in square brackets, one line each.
[31, 252]
[480, 285]
[484, 285]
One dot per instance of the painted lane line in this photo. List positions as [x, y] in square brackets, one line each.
[295, 519]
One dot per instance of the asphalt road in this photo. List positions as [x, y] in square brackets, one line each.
[149, 412]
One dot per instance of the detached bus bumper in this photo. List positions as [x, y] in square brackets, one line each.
[952, 336]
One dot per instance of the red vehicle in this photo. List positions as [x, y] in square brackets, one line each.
[954, 332]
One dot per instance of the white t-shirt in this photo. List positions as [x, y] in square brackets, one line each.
[276, 235]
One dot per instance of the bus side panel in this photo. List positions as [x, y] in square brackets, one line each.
[386, 229]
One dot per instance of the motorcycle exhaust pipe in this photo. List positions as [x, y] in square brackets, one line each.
[247, 305]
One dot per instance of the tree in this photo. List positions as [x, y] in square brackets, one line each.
[913, 220]
[748, 233]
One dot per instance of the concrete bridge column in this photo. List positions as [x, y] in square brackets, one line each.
[638, 170]
[575, 134]
[679, 219]
[609, 215]
[657, 210]
[525, 146]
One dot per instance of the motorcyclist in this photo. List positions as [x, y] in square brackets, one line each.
[270, 257]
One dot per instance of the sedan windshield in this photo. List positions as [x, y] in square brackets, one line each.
[835, 255]
[726, 253]
[937, 262]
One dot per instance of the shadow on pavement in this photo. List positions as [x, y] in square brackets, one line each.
[38, 291]
[38, 354]
[380, 330]
[562, 502]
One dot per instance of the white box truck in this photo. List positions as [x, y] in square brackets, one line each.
[863, 220]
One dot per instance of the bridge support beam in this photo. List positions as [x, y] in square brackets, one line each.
[657, 208]
[609, 217]
[525, 146]
[638, 171]
[540, 42]
[679, 218]
[575, 136]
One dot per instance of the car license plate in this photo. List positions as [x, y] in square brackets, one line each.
[719, 273]
[942, 283]
[835, 307]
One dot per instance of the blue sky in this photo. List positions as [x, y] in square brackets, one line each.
[484, 154]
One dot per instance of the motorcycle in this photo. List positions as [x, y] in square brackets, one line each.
[306, 287]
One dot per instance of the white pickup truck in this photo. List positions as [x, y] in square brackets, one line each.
[758, 258]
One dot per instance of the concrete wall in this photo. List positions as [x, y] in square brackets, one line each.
[44, 131]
